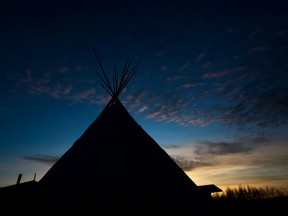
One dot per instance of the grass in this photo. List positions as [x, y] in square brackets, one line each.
[248, 199]
[250, 193]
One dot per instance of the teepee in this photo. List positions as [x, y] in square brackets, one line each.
[116, 162]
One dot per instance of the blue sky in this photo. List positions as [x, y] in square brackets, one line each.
[211, 89]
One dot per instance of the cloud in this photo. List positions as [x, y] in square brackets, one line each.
[232, 80]
[244, 94]
[258, 103]
[63, 69]
[185, 66]
[192, 84]
[172, 78]
[189, 164]
[84, 95]
[187, 158]
[223, 72]
[230, 92]
[143, 108]
[49, 160]
[216, 74]
[140, 96]
[258, 48]
[62, 83]
[207, 153]
[164, 67]
[156, 112]
[222, 148]
[208, 64]
[248, 90]
[200, 56]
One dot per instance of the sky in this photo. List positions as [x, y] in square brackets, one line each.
[212, 88]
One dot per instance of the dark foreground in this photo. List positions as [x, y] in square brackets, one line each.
[13, 200]
[276, 205]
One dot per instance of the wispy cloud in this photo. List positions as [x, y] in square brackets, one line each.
[185, 66]
[61, 83]
[187, 158]
[200, 56]
[164, 67]
[266, 107]
[223, 72]
[224, 147]
[259, 48]
[49, 160]
[85, 94]
[192, 84]
[176, 77]
[248, 151]
[188, 164]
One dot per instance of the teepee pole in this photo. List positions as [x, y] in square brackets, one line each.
[116, 85]
[107, 83]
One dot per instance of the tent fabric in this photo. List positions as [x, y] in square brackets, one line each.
[115, 157]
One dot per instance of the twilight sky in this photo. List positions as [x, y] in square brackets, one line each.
[212, 88]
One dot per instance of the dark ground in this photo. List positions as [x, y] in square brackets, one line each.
[15, 202]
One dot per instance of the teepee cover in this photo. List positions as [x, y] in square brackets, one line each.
[115, 159]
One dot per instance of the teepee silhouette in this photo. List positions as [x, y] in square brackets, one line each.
[115, 162]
